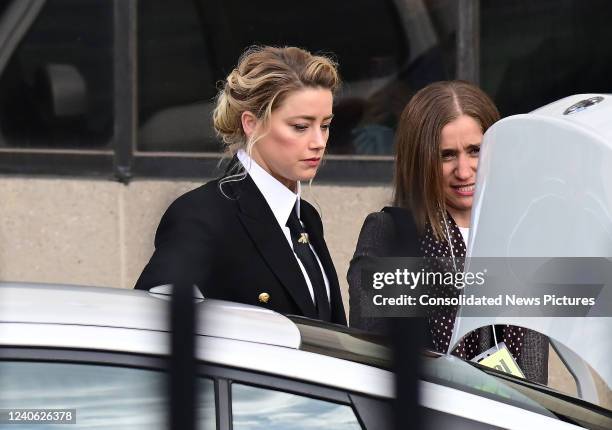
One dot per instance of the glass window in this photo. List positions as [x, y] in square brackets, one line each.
[56, 91]
[176, 79]
[386, 51]
[344, 343]
[536, 52]
[258, 408]
[104, 397]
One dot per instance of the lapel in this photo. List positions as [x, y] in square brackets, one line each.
[261, 226]
[312, 223]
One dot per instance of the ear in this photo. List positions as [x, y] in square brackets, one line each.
[249, 123]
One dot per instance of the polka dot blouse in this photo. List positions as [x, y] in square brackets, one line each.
[440, 321]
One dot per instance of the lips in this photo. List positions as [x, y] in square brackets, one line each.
[464, 189]
[313, 162]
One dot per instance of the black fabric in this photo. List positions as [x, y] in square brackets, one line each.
[409, 243]
[375, 240]
[407, 238]
[230, 245]
[301, 247]
[393, 233]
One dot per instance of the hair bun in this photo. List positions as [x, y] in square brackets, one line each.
[261, 81]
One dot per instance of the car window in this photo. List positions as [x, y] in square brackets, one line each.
[103, 397]
[255, 408]
[56, 91]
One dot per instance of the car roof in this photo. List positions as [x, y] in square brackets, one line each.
[141, 310]
[80, 318]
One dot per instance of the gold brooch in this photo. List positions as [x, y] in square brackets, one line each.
[303, 238]
[264, 297]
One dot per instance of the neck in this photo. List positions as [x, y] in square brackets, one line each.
[292, 185]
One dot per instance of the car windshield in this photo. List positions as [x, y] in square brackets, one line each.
[374, 350]
[571, 408]
[341, 342]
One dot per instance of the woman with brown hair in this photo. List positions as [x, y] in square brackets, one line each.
[248, 236]
[437, 147]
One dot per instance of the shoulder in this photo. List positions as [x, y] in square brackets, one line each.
[377, 227]
[387, 218]
[195, 209]
[391, 231]
[398, 215]
[198, 196]
[207, 198]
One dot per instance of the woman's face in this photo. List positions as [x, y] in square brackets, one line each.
[459, 149]
[295, 138]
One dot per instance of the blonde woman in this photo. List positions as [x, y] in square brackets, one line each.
[248, 236]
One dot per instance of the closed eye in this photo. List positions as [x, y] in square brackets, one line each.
[300, 127]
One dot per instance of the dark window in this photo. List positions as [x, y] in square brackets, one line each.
[386, 51]
[176, 78]
[536, 52]
[56, 91]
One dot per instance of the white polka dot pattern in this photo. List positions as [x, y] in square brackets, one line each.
[438, 258]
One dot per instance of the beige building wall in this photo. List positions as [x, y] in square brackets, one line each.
[100, 232]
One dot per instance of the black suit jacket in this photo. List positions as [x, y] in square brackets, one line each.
[232, 248]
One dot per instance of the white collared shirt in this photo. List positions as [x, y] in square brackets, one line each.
[281, 201]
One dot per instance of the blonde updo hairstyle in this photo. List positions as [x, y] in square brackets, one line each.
[260, 82]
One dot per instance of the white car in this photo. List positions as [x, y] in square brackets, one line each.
[100, 353]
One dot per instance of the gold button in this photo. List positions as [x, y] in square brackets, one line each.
[264, 297]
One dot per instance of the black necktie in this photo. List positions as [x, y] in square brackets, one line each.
[301, 247]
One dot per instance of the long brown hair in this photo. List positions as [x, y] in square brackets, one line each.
[418, 167]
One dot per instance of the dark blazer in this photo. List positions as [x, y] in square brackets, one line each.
[393, 233]
[378, 238]
[232, 248]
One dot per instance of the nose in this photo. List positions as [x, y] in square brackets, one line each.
[465, 168]
[318, 139]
